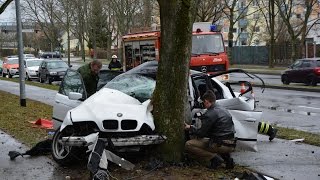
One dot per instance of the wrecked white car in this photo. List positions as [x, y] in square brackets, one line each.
[121, 111]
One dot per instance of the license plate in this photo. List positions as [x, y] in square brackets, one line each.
[61, 76]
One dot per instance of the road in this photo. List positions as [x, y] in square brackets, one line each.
[268, 79]
[292, 109]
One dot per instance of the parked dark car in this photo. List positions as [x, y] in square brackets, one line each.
[303, 71]
[52, 70]
[47, 55]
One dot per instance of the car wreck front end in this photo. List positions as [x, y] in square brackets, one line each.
[114, 115]
[120, 112]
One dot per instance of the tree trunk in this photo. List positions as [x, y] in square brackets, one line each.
[170, 96]
[230, 38]
[272, 32]
[293, 49]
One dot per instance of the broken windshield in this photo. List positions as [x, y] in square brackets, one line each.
[134, 85]
[207, 44]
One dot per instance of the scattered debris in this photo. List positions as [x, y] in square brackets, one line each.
[41, 148]
[253, 176]
[297, 140]
[43, 123]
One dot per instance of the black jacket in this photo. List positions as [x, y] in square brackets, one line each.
[114, 65]
[216, 123]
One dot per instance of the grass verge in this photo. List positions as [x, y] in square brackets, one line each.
[14, 119]
[46, 86]
[290, 134]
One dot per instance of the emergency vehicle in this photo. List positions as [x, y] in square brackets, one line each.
[208, 51]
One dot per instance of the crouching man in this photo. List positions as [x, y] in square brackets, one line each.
[215, 138]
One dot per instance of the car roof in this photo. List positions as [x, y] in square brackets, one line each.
[33, 59]
[52, 60]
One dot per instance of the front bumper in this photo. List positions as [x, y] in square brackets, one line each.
[56, 77]
[33, 74]
[14, 71]
[141, 140]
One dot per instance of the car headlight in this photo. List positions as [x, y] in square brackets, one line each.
[53, 73]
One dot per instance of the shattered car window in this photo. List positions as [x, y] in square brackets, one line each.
[134, 85]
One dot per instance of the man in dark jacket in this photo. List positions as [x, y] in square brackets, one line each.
[89, 73]
[114, 65]
[215, 138]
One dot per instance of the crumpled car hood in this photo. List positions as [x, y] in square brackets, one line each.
[110, 104]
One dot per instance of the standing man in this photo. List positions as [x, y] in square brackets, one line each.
[114, 65]
[89, 73]
[215, 139]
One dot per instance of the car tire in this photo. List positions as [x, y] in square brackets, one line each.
[65, 155]
[40, 79]
[48, 80]
[27, 77]
[285, 80]
[312, 81]
[9, 75]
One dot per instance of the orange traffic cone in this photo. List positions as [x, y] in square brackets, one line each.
[243, 88]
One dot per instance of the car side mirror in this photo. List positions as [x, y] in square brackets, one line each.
[70, 65]
[75, 96]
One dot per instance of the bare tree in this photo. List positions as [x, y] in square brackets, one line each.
[296, 26]
[42, 13]
[209, 10]
[4, 5]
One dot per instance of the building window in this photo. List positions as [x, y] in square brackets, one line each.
[256, 29]
[243, 42]
[234, 30]
[243, 30]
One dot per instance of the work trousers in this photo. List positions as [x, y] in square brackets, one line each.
[200, 148]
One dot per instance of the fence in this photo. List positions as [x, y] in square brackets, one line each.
[259, 55]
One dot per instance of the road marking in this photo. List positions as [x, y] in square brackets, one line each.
[309, 107]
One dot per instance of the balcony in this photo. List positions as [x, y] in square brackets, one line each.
[243, 23]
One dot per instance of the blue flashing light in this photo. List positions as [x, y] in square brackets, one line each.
[213, 27]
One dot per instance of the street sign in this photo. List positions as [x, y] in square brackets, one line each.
[28, 30]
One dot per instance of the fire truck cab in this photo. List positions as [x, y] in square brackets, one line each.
[208, 50]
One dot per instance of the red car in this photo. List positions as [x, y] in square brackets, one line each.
[303, 71]
[10, 67]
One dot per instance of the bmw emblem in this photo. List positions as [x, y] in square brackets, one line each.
[204, 69]
[119, 114]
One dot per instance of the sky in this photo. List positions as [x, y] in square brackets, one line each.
[9, 15]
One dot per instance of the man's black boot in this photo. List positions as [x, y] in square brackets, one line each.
[273, 134]
[215, 162]
[228, 160]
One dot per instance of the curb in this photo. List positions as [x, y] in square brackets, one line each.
[290, 88]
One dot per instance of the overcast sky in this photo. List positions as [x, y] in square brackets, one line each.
[9, 15]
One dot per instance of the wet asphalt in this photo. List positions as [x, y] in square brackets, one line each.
[281, 159]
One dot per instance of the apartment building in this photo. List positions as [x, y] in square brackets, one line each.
[251, 27]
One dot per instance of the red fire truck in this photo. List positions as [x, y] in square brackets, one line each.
[208, 50]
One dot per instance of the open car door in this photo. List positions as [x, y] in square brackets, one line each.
[72, 83]
[240, 105]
